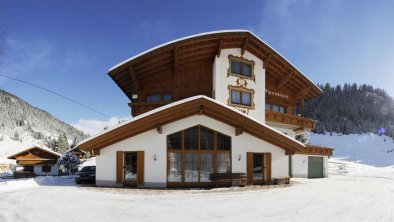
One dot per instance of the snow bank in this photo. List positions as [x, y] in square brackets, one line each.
[8, 185]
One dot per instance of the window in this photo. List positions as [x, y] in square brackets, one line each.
[46, 169]
[224, 142]
[206, 139]
[191, 138]
[239, 97]
[275, 108]
[29, 169]
[241, 67]
[159, 97]
[174, 141]
[194, 153]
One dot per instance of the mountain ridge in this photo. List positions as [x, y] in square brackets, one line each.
[23, 122]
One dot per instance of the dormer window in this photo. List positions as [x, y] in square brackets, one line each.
[241, 67]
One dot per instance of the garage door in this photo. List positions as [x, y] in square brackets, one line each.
[315, 167]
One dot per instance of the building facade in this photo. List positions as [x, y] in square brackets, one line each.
[218, 102]
[36, 161]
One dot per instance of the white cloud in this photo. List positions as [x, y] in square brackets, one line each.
[22, 57]
[93, 126]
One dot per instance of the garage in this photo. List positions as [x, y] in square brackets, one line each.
[315, 167]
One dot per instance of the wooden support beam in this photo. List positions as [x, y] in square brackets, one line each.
[302, 93]
[200, 110]
[267, 60]
[239, 130]
[302, 107]
[96, 152]
[176, 74]
[134, 79]
[175, 57]
[220, 46]
[159, 128]
[289, 152]
[284, 80]
[244, 46]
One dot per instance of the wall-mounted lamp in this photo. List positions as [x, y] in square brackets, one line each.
[239, 157]
[154, 157]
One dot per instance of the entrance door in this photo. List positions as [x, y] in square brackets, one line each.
[315, 167]
[258, 168]
[130, 168]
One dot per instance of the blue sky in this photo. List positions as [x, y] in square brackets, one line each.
[68, 46]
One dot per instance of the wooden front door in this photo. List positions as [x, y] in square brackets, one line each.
[258, 168]
[130, 168]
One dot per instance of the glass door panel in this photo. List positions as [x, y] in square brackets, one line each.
[191, 167]
[130, 167]
[175, 167]
[258, 166]
[206, 165]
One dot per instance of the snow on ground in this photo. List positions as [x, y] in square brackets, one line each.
[353, 192]
[9, 146]
[369, 148]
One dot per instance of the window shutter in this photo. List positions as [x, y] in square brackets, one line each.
[267, 168]
[140, 167]
[249, 168]
[119, 167]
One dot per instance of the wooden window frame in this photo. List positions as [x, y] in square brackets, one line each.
[242, 90]
[198, 151]
[243, 61]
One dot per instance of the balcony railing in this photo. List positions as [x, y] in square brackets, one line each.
[318, 150]
[143, 107]
[288, 119]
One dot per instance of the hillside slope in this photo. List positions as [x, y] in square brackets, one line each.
[23, 122]
[370, 149]
[352, 109]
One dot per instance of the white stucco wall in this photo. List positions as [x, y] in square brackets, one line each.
[54, 170]
[221, 81]
[153, 143]
[300, 165]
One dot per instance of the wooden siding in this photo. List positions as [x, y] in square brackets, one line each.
[185, 68]
[34, 156]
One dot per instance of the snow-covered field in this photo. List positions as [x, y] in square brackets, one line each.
[354, 192]
[369, 148]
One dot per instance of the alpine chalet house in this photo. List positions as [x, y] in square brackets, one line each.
[36, 161]
[217, 105]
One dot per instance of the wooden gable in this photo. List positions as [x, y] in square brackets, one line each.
[34, 156]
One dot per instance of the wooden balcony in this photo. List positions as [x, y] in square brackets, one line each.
[288, 119]
[138, 108]
[317, 150]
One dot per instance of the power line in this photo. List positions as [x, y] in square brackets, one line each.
[58, 94]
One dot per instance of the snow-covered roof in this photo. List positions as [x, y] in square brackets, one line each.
[209, 33]
[35, 147]
[185, 101]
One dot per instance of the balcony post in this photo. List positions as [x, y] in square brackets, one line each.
[303, 107]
